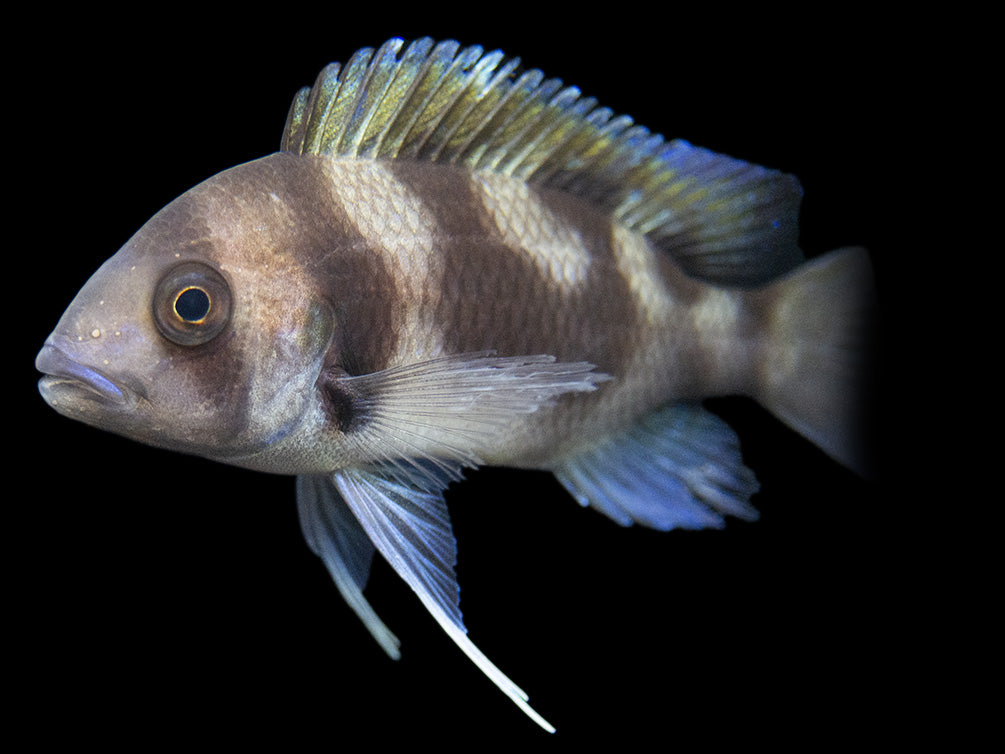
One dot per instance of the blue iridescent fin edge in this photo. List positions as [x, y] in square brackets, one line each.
[678, 468]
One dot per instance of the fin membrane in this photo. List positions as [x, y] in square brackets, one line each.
[334, 535]
[817, 375]
[401, 512]
[680, 467]
[445, 409]
[407, 520]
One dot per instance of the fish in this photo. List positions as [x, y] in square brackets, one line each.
[453, 262]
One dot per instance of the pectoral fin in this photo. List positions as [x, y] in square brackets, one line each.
[447, 409]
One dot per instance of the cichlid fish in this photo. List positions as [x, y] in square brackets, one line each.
[452, 263]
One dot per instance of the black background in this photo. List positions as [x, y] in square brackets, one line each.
[162, 596]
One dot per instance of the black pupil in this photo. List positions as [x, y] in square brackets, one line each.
[192, 304]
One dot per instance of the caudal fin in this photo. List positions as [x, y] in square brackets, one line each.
[816, 372]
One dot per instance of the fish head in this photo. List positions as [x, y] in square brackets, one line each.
[204, 333]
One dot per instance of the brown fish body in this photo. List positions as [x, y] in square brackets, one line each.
[447, 266]
[439, 261]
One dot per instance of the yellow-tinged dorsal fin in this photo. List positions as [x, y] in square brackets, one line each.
[722, 219]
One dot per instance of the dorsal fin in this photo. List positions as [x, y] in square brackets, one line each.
[722, 219]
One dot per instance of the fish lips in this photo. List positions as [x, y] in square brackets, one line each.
[67, 381]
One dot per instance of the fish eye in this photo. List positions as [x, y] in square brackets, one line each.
[192, 304]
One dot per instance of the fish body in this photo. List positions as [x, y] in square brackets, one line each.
[447, 265]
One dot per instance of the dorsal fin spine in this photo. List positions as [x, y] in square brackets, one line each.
[406, 96]
[342, 119]
[464, 101]
[485, 123]
[368, 96]
[447, 83]
[319, 105]
[500, 131]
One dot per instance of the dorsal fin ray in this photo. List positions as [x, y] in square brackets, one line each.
[722, 219]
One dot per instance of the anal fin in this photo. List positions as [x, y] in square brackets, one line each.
[679, 467]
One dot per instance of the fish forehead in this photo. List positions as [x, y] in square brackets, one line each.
[259, 210]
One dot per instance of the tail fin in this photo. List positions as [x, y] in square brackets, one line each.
[815, 373]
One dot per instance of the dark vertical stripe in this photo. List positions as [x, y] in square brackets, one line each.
[496, 298]
[349, 269]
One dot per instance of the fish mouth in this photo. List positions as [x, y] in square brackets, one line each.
[65, 377]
